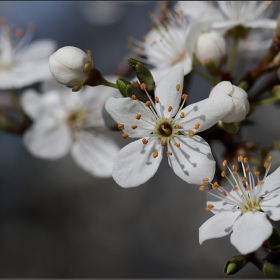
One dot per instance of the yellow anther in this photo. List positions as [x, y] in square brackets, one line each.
[202, 188]
[234, 167]
[134, 127]
[215, 186]
[120, 126]
[178, 87]
[205, 181]
[266, 165]
[184, 96]
[155, 154]
[169, 108]
[157, 99]
[224, 163]
[145, 141]
[247, 169]
[169, 153]
[257, 173]
[240, 158]
[223, 174]
[148, 103]
[162, 143]
[130, 39]
[134, 97]
[260, 183]
[177, 144]
[248, 187]
[143, 86]
[124, 136]
[244, 180]
[140, 49]
[235, 188]
[209, 207]
[224, 193]
[245, 160]
[178, 126]
[191, 133]
[270, 158]
[197, 126]
[182, 115]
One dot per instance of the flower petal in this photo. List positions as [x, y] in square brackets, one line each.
[218, 226]
[206, 113]
[169, 92]
[271, 205]
[95, 153]
[124, 111]
[135, 164]
[193, 160]
[271, 183]
[250, 231]
[47, 139]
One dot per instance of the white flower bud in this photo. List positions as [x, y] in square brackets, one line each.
[68, 65]
[210, 48]
[238, 96]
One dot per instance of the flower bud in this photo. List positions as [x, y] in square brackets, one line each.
[238, 96]
[210, 50]
[235, 264]
[70, 66]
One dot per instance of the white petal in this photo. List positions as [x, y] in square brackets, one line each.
[271, 183]
[222, 88]
[124, 111]
[135, 164]
[250, 231]
[47, 139]
[95, 153]
[193, 160]
[218, 226]
[271, 205]
[167, 92]
[262, 23]
[206, 113]
[31, 103]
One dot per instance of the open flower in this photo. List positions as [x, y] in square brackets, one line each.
[161, 123]
[69, 121]
[23, 63]
[242, 208]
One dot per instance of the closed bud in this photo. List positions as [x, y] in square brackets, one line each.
[271, 270]
[70, 66]
[210, 50]
[235, 264]
[122, 86]
[133, 90]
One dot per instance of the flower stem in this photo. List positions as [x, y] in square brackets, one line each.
[232, 56]
[265, 101]
[104, 82]
[204, 76]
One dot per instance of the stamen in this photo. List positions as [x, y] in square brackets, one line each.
[155, 154]
[223, 174]
[257, 173]
[182, 115]
[224, 193]
[121, 126]
[270, 159]
[177, 144]
[234, 168]
[224, 163]
[124, 136]
[178, 87]
[235, 188]
[169, 153]
[205, 181]
[209, 207]
[162, 143]
[148, 103]
[144, 141]
[138, 116]
[245, 160]
[197, 126]
[178, 126]
[134, 97]
[184, 96]
[134, 127]
[266, 165]
[259, 182]
[202, 188]
[244, 180]
[215, 186]
[247, 169]
[157, 99]
[240, 158]
[169, 108]
[191, 133]
[143, 86]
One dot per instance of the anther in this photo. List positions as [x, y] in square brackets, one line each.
[177, 144]
[157, 99]
[178, 126]
[191, 133]
[162, 143]
[257, 173]
[143, 86]
[247, 169]
[260, 183]
[169, 108]
[155, 154]
[240, 158]
[120, 126]
[244, 180]
[224, 163]
[197, 126]
[209, 207]
[223, 174]
[234, 167]
[169, 153]
[266, 165]
[245, 160]
[235, 188]
[184, 96]
[145, 141]
[138, 116]
[205, 181]
[182, 115]
[148, 103]
[215, 186]
[134, 127]
[130, 39]
[248, 187]
[134, 97]
[270, 158]
[224, 193]
[178, 87]
[202, 188]
[124, 136]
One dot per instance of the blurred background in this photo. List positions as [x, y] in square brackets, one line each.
[57, 221]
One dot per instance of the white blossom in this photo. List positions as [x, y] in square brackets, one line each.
[23, 63]
[163, 122]
[242, 207]
[66, 121]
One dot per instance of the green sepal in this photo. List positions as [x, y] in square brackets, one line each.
[276, 91]
[122, 86]
[142, 73]
[231, 128]
[271, 270]
[133, 90]
[235, 264]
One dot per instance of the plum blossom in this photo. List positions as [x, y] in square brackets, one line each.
[66, 121]
[241, 209]
[163, 122]
[23, 63]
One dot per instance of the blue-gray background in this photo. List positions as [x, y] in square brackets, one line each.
[59, 221]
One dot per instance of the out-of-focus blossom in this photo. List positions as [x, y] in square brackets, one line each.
[164, 123]
[242, 208]
[70, 121]
[23, 63]
[239, 98]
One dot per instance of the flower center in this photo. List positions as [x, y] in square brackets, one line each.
[76, 119]
[164, 129]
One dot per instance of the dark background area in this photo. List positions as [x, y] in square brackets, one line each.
[58, 221]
